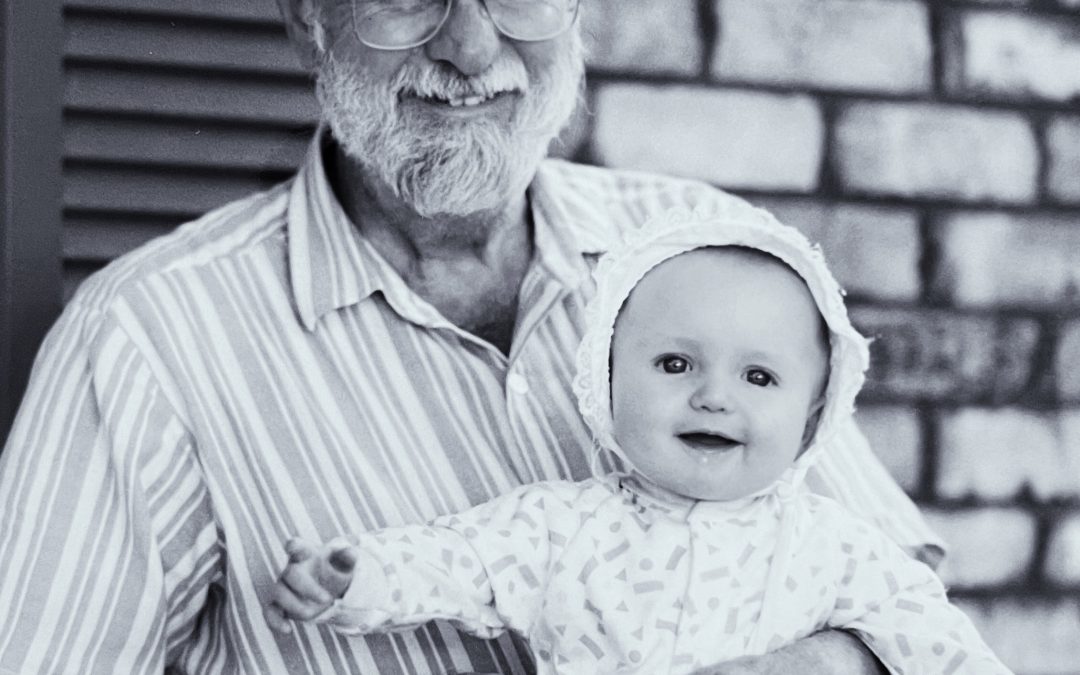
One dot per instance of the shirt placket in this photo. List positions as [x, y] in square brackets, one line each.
[526, 395]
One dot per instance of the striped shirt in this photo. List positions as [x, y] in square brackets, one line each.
[263, 373]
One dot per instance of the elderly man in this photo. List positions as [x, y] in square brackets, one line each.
[385, 338]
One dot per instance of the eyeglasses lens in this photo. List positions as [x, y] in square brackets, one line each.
[532, 19]
[398, 24]
[401, 24]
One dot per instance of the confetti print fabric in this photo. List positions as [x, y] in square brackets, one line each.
[613, 575]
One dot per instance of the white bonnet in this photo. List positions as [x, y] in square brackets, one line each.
[679, 231]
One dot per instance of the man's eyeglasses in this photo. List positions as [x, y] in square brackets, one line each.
[403, 24]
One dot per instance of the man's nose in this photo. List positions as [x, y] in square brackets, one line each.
[468, 40]
[712, 395]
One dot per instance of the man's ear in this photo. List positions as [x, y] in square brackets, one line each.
[304, 28]
[813, 418]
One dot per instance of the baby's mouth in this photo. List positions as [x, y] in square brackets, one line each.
[709, 442]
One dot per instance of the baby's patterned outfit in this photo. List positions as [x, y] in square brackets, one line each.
[618, 575]
[614, 575]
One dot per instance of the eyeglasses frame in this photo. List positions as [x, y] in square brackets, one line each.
[442, 22]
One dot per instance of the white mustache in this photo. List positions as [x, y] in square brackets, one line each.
[435, 81]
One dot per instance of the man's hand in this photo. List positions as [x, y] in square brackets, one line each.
[312, 580]
[830, 652]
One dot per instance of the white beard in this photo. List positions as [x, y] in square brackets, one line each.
[449, 168]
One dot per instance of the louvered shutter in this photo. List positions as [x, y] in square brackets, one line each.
[171, 108]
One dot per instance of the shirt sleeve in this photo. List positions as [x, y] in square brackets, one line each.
[898, 607]
[107, 538]
[482, 569]
[849, 472]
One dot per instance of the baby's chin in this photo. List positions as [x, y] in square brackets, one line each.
[712, 493]
[706, 495]
[727, 492]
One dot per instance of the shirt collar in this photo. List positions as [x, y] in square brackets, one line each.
[328, 265]
[571, 221]
[565, 238]
[332, 266]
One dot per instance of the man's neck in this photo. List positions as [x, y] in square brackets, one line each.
[409, 241]
[469, 268]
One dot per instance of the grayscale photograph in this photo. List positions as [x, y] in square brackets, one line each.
[540, 337]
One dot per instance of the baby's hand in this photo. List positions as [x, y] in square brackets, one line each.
[312, 580]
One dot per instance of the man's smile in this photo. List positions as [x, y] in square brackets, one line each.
[461, 105]
[478, 99]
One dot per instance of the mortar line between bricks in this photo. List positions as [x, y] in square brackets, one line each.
[1019, 591]
[1054, 508]
[1020, 313]
[828, 181]
[1042, 383]
[1039, 127]
[1033, 8]
[938, 18]
[1046, 210]
[929, 260]
[953, 404]
[943, 100]
[930, 439]
[1044, 525]
[856, 302]
[710, 31]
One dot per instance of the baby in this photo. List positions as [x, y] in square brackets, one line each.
[717, 362]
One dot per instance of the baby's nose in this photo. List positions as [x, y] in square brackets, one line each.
[712, 396]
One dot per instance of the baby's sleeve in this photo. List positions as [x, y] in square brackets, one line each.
[899, 608]
[483, 569]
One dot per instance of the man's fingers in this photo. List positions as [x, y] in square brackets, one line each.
[275, 617]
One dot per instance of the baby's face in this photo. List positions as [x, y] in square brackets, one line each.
[718, 360]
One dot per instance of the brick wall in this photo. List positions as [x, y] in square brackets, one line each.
[934, 149]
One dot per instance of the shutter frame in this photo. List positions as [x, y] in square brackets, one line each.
[30, 170]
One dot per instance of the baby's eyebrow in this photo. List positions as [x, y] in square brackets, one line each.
[762, 356]
[775, 362]
[681, 342]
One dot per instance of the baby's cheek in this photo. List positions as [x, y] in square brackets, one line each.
[623, 403]
[630, 404]
[623, 424]
[782, 432]
[630, 423]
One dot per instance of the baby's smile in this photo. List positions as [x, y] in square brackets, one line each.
[709, 442]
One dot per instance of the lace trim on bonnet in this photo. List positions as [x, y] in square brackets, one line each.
[681, 230]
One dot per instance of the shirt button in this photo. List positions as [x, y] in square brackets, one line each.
[517, 384]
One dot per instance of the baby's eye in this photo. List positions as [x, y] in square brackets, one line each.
[673, 364]
[759, 377]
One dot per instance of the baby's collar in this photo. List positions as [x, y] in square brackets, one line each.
[646, 494]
